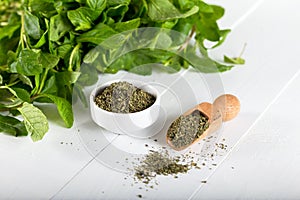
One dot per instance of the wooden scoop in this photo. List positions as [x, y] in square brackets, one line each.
[224, 108]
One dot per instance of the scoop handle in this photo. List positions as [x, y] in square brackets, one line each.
[224, 108]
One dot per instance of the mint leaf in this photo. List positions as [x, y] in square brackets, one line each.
[48, 60]
[64, 50]
[28, 63]
[8, 31]
[41, 41]
[59, 26]
[112, 3]
[208, 28]
[205, 8]
[64, 109]
[78, 90]
[32, 26]
[97, 35]
[223, 35]
[235, 60]
[127, 25]
[162, 10]
[12, 126]
[50, 86]
[223, 68]
[116, 13]
[25, 80]
[88, 76]
[43, 7]
[22, 94]
[20, 128]
[82, 18]
[64, 82]
[5, 46]
[218, 12]
[97, 5]
[35, 121]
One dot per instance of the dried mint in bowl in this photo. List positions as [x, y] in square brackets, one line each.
[124, 97]
[186, 129]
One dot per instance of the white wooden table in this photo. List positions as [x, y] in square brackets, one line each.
[263, 158]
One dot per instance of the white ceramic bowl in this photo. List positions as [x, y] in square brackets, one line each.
[125, 123]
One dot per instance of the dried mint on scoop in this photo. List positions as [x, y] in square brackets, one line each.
[185, 129]
[124, 97]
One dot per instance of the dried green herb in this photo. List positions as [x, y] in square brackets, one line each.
[159, 163]
[185, 129]
[123, 97]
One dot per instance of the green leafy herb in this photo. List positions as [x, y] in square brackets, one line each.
[236, 60]
[82, 18]
[21, 94]
[64, 108]
[52, 49]
[162, 10]
[31, 25]
[28, 63]
[12, 126]
[35, 121]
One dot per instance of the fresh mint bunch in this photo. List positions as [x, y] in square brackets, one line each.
[43, 44]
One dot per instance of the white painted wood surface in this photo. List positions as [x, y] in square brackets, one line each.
[264, 156]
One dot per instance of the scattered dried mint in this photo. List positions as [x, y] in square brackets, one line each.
[123, 97]
[159, 163]
[185, 129]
